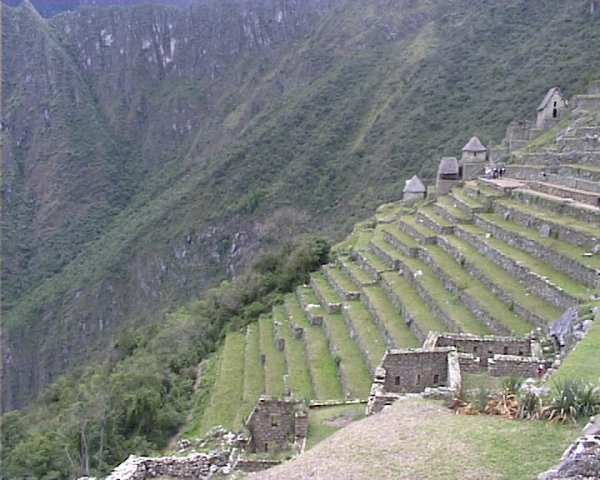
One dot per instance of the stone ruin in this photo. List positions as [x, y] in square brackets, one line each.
[436, 368]
[448, 175]
[497, 355]
[473, 160]
[275, 423]
[414, 189]
[552, 108]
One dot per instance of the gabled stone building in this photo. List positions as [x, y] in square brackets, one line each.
[473, 159]
[448, 175]
[414, 189]
[551, 109]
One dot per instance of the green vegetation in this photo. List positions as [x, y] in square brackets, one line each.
[95, 417]
[583, 362]
[226, 398]
[254, 373]
[275, 364]
[323, 367]
[393, 323]
[299, 378]
[324, 421]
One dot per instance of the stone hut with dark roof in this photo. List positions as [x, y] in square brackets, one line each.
[551, 109]
[414, 189]
[473, 159]
[448, 175]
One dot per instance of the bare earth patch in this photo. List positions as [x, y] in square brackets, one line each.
[402, 442]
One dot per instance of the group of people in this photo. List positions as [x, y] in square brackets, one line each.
[495, 172]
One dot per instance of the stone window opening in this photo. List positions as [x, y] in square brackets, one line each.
[274, 421]
[505, 350]
[554, 110]
[418, 379]
[520, 353]
[266, 447]
[397, 381]
[436, 379]
[490, 352]
[475, 350]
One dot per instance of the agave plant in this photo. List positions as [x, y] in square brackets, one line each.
[573, 399]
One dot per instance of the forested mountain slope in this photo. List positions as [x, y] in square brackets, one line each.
[151, 151]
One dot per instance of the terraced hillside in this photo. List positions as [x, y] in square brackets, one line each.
[494, 256]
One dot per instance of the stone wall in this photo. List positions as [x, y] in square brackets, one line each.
[538, 284]
[346, 295]
[407, 315]
[505, 365]
[484, 347]
[563, 207]
[331, 307]
[559, 230]
[413, 370]
[196, 465]
[466, 298]
[579, 271]
[271, 423]
[588, 103]
[491, 284]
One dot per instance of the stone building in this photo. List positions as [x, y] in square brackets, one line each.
[473, 159]
[275, 422]
[414, 189]
[448, 175]
[482, 347]
[551, 109]
[414, 371]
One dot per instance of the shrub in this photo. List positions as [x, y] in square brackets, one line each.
[572, 399]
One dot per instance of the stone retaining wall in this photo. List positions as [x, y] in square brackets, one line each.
[348, 271]
[393, 263]
[426, 296]
[562, 232]
[418, 236]
[196, 465]
[539, 285]
[564, 207]
[433, 225]
[506, 365]
[331, 307]
[346, 295]
[366, 301]
[408, 317]
[314, 318]
[496, 289]
[409, 251]
[468, 300]
[562, 263]
[564, 192]
[366, 354]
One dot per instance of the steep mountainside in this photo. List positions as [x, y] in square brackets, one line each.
[150, 151]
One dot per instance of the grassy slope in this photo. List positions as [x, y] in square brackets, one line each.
[432, 443]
